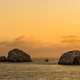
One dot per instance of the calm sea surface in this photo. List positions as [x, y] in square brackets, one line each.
[24, 71]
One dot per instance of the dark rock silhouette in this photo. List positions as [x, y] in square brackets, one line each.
[17, 55]
[3, 59]
[46, 60]
[70, 58]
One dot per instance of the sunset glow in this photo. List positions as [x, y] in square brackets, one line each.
[48, 22]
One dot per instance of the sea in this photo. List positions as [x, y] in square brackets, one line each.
[30, 71]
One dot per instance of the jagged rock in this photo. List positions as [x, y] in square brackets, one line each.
[17, 55]
[3, 59]
[70, 58]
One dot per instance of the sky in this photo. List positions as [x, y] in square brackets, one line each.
[46, 28]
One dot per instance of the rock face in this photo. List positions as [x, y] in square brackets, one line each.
[70, 58]
[3, 59]
[17, 55]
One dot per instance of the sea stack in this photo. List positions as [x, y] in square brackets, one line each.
[70, 58]
[17, 55]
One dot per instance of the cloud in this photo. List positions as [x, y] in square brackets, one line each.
[71, 39]
[20, 42]
[70, 42]
[38, 48]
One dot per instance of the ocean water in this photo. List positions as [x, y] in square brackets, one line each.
[24, 71]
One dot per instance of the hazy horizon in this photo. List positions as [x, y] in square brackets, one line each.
[44, 28]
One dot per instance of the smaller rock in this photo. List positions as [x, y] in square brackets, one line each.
[3, 59]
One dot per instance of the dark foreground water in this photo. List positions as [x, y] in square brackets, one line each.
[24, 71]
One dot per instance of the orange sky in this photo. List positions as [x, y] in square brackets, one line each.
[41, 20]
